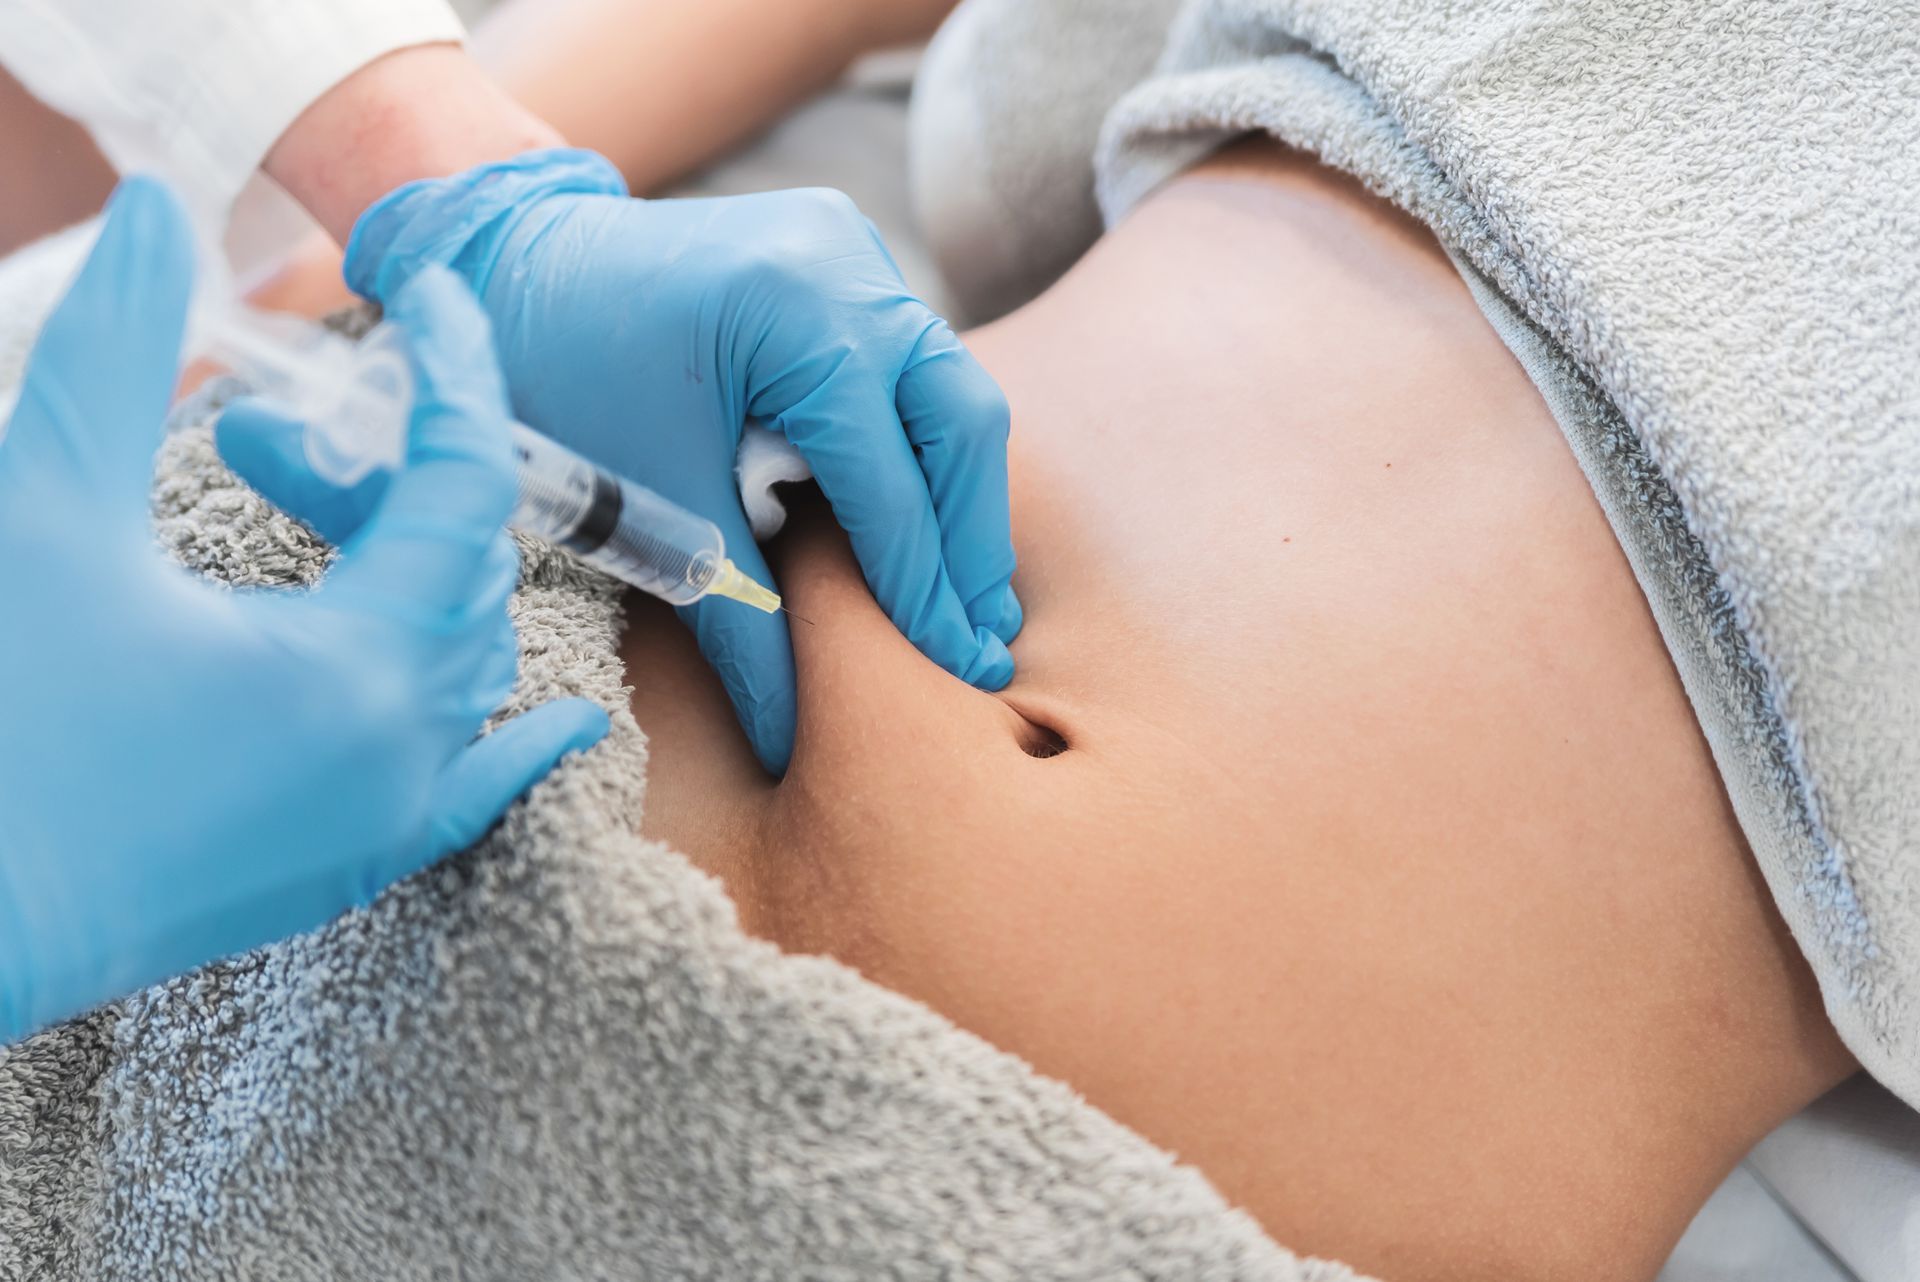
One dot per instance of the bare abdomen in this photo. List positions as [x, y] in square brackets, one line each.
[1385, 876]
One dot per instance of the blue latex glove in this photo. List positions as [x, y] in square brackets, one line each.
[187, 772]
[645, 333]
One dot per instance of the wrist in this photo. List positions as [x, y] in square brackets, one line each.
[416, 113]
[466, 221]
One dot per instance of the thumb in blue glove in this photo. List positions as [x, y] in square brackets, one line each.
[189, 772]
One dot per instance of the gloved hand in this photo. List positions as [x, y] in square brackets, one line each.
[645, 333]
[185, 771]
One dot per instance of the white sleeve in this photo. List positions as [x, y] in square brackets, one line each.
[198, 91]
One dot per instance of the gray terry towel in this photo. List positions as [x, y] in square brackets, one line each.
[1697, 224]
[1007, 107]
[554, 1057]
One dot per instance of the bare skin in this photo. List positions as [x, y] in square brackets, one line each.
[1385, 875]
[419, 112]
[56, 175]
[660, 87]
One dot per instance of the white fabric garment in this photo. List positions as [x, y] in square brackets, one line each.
[198, 91]
[767, 459]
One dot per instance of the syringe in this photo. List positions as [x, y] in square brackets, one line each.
[627, 530]
[355, 399]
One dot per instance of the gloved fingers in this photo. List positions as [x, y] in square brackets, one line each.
[957, 418]
[499, 576]
[455, 369]
[499, 666]
[491, 773]
[851, 435]
[267, 450]
[428, 542]
[752, 652]
[880, 243]
[95, 396]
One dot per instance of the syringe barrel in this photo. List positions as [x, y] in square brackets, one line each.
[613, 524]
[356, 399]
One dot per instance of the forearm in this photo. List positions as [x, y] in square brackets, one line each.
[71, 178]
[658, 86]
[422, 112]
[662, 86]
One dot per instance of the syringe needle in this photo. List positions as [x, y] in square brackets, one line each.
[803, 618]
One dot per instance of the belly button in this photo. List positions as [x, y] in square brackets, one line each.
[1038, 730]
[1041, 742]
